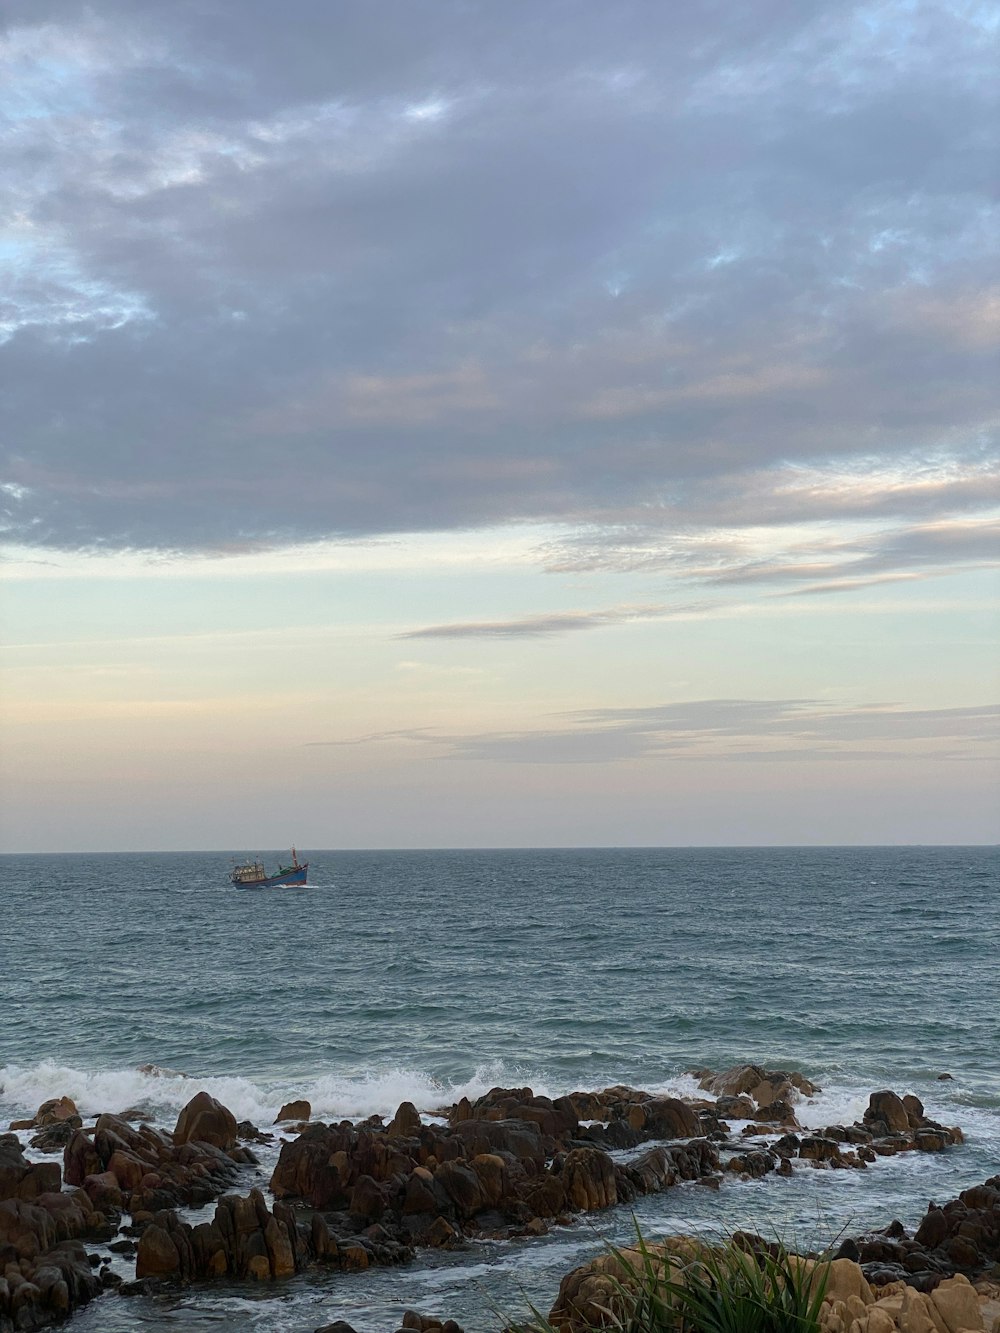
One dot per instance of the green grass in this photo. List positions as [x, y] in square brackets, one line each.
[738, 1286]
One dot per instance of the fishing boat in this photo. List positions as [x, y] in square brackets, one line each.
[252, 875]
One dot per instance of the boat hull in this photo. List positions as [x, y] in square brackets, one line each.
[297, 875]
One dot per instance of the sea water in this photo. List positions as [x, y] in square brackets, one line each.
[426, 976]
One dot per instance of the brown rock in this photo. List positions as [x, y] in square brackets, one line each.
[440, 1232]
[55, 1109]
[300, 1110]
[205, 1120]
[886, 1108]
[588, 1176]
[773, 1088]
[104, 1192]
[670, 1118]
[157, 1255]
[406, 1123]
[461, 1184]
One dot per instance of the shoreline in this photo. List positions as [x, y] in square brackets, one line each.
[508, 1165]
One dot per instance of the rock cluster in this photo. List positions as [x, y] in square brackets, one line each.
[506, 1164]
[592, 1293]
[961, 1236]
[247, 1240]
[890, 1125]
[44, 1271]
[412, 1322]
[509, 1163]
[144, 1170]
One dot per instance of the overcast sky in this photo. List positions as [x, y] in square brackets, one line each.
[453, 423]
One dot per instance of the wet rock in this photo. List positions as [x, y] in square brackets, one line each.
[205, 1120]
[157, 1255]
[735, 1108]
[406, 1123]
[21, 1179]
[555, 1120]
[886, 1113]
[54, 1137]
[248, 1132]
[664, 1118]
[763, 1085]
[778, 1112]
[818, 1148]
[52, 1112]
[44, 1288]
[151, 1171]
[300, 1110]
[588, 1177]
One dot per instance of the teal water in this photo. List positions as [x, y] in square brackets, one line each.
[427, 975]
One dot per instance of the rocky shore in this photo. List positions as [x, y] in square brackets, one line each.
[350, 1196]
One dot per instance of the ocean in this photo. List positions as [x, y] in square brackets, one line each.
[425, 976]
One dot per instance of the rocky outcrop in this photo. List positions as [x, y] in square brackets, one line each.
[294, 1111]
[603, 1290]
[205, 1120]
[487, 1173]
[150, 1168]
[55, 1111]
[959, 1237]
[245, 1239]
[763, 1086]
[44, 1272]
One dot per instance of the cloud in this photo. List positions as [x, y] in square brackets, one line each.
[330, 273]
[555, 622]
[734, 730]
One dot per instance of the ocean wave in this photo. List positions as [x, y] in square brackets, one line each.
[165, 1091]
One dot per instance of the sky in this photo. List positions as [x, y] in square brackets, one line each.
[436, 423]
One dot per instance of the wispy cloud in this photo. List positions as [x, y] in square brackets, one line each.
[539, 626]
[734, 730]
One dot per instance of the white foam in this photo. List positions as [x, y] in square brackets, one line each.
[831, 1106]
[333, 1096]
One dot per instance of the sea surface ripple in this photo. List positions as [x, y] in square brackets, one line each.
[426, 975]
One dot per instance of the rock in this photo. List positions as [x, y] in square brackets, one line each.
[21, 1179]
[773, 1088]
[56, 1109]
[249, 1133]
[300, 1110]
[885, 1108]
[461, 1185]
[958, 1304]
[762, 1084]
[777, 1112]
[205, 1120]
[735, 1108]
[406, 1123]
[55, 1136]
[670, 1118]
[157, 1255]
[845, 1280]
[588, 1176]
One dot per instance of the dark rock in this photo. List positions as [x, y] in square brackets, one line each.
[300, 1110]
[205, 1120]
[249, 1133]
[885, 1108]
[406, 1123]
